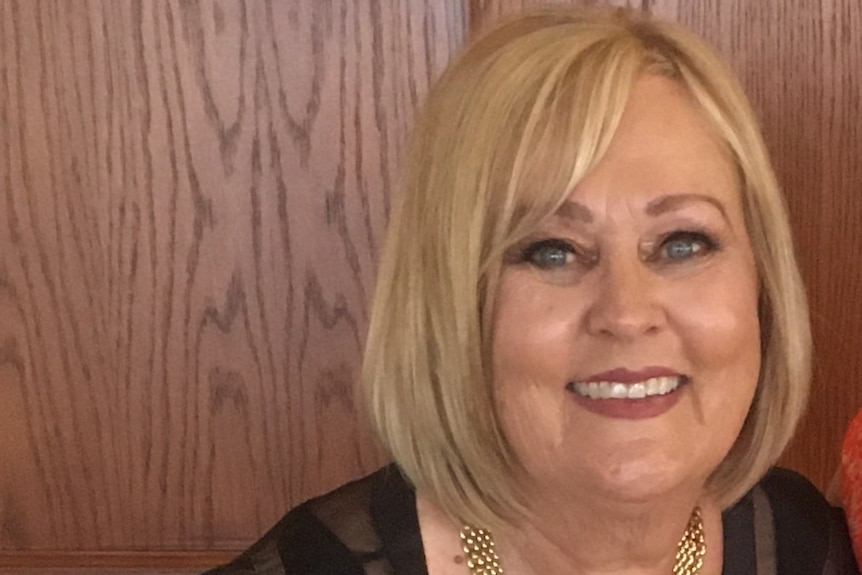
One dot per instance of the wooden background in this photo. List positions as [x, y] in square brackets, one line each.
[192, 197]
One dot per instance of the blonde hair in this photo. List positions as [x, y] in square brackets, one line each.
[514, 123]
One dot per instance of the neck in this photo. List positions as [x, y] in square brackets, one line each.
[611, 539]
[593, 536]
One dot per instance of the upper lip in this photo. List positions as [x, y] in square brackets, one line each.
[624, 375]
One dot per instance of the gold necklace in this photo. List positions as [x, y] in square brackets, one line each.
[479, 549]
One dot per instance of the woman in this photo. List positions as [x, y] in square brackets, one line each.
[590, 338]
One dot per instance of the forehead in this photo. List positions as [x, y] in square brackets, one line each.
[664, 145]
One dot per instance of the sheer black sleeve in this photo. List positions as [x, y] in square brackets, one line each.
[367, 527]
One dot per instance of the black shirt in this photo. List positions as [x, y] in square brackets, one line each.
[783, 526]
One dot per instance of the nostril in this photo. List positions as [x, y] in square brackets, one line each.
[626, 313]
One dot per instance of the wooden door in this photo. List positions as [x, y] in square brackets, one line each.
[193, 197]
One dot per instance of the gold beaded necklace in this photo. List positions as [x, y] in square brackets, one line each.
[478, 546]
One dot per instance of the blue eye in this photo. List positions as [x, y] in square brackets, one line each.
[549, 254]
[680, 246]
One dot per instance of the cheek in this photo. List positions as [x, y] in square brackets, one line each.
[532, 418]
[532, 362]
[725, 336]
[721, 335]
[532, 334]
[719, 312]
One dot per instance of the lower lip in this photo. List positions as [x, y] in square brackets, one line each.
[643, 408]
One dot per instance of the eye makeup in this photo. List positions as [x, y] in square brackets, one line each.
[682, 245]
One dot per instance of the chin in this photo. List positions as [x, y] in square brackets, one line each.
[639, 480]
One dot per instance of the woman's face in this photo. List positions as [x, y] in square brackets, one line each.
[626, 342]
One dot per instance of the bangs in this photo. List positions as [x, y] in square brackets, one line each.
[571, 108]
[572, 114]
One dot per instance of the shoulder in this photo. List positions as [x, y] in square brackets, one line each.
[798, 508]
[810, 534]
[332, 534]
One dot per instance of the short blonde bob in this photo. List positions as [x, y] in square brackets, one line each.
[511, 127]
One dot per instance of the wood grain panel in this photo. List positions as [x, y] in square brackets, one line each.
[193, 196]
[799, 63]
[486, 12]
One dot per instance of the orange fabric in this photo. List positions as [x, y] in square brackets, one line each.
[851, 481]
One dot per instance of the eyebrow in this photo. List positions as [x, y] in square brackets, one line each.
[575, 211]
[572, 210]
[674, 202]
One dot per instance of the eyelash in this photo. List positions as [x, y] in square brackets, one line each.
[707, 242]
[528, 254]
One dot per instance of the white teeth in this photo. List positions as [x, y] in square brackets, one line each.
[637, 391]
[615, 390]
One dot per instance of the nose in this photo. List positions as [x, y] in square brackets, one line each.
[626, 303]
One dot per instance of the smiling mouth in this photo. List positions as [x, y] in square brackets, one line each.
[652, 387]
